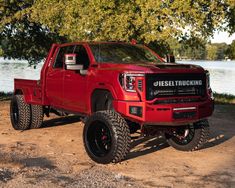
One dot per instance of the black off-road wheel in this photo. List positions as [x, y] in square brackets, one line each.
[20, 113]
[191, 137]
[106, 137]
[37, 116]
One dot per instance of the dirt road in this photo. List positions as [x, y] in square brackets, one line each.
[54, 156]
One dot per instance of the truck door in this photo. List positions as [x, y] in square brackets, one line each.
[75, 84]
[55, 77]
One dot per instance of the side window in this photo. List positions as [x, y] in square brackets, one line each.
[82, 56]
[60, 56]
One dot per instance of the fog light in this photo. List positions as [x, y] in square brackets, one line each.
[135, 110]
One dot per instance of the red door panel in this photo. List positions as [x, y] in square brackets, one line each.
[75, 89]
[54, 87]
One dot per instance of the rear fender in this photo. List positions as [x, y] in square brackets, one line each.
[25, 93]
[29, 89]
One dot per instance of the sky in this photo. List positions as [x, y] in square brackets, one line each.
[220, 37]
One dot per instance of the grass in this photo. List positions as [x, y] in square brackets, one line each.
[5, 96]
[219, 98]
[224, 98]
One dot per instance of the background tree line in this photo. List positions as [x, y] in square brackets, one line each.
[204, 50]
[29, 27]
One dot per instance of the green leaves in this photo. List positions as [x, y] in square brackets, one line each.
[29, 27]
[147, 21]
[21, 37]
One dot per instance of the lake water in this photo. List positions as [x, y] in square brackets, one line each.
[10, 69]
[222, 74]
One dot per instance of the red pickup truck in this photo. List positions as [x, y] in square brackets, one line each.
[117, 88]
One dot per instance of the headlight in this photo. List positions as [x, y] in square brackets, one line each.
[129, 81]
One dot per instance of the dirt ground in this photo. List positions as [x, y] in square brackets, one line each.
[54, 156]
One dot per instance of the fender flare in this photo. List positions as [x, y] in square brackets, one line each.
[101, 91]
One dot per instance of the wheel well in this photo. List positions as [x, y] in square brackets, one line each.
[100, 100]
[18, 92]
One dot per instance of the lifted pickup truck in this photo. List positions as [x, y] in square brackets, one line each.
[117, 88]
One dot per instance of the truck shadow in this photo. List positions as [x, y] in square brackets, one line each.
[146, 145]
[216, 138]
[60, 121]
[221, 125]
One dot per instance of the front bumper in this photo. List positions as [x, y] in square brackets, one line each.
[166, 114]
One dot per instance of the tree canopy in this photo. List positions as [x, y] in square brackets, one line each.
[230, 16]
[21, 37]
[143, 20]
[29, 27]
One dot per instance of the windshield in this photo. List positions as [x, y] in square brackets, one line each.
[122, 53]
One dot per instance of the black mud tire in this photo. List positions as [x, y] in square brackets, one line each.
[198, 135]
[37, 116]
[20, 113]
[106, 137]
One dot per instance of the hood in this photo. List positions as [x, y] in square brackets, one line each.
[152, 68]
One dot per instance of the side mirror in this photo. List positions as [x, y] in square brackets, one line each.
[70, 62]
